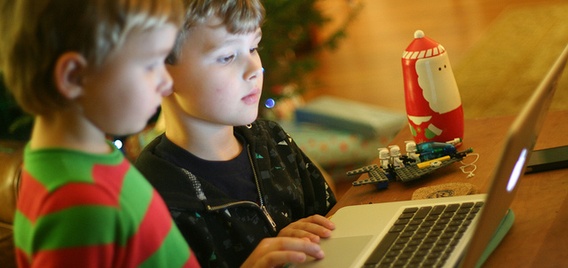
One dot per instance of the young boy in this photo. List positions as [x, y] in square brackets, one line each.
[85, 69]
[228, 180]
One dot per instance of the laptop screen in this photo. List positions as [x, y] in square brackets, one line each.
[519, 143]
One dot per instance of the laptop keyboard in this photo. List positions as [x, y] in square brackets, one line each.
[424, 236]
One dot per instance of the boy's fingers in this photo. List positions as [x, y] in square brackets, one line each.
[298, 245]
[305, 228]
[323, 221]
[319, 220]
[274, 252]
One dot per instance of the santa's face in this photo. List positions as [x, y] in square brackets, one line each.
[439, 87]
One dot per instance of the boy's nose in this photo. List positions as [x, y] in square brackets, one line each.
[255, 74]
[255, 69]
[166, 85]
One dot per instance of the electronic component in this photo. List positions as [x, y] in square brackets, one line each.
[548, 159]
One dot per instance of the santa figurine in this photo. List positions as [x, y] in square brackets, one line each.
[433, 103]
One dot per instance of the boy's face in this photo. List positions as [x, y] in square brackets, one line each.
[218, 77]
[126, 91]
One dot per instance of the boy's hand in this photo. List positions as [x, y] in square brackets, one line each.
[279, 251]
[313, 227]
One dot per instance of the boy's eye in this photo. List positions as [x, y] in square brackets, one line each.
[151, 67]
[227, 59]
[256, 49]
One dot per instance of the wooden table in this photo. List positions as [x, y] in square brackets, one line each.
[539, 236]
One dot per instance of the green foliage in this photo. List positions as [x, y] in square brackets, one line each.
[288, 44]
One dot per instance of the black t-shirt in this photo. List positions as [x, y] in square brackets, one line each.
[233, 177]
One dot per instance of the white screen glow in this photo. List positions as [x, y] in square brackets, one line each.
[516, 174]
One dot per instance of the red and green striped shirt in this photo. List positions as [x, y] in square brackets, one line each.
[77, 209]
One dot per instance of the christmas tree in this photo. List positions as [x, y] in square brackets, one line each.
[289, 44]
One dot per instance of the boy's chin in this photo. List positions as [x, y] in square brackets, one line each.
[248, 120]
[250, 117]
[126, 130]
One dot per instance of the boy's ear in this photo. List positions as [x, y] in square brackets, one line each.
[69, 70]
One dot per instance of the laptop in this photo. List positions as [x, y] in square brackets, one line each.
[396, 233]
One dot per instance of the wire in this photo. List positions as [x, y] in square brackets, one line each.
[470, 167]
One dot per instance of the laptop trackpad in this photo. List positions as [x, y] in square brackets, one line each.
[340, 251]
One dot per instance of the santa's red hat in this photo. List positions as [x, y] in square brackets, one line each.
[422, 47]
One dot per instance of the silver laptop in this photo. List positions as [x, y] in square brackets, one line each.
[399, 234]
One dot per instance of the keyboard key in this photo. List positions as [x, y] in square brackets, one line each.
[422, 212]
[437, 210]
[452, 207]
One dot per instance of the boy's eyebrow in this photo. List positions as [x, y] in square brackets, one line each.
[213, 47]
[258, 33]
[158, 52]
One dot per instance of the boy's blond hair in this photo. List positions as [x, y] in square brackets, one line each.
[41, 31]
[238, 16]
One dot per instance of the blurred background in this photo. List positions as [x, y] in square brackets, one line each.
[499, 52]
[488, 42]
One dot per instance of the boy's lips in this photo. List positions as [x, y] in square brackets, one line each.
[252, 98]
